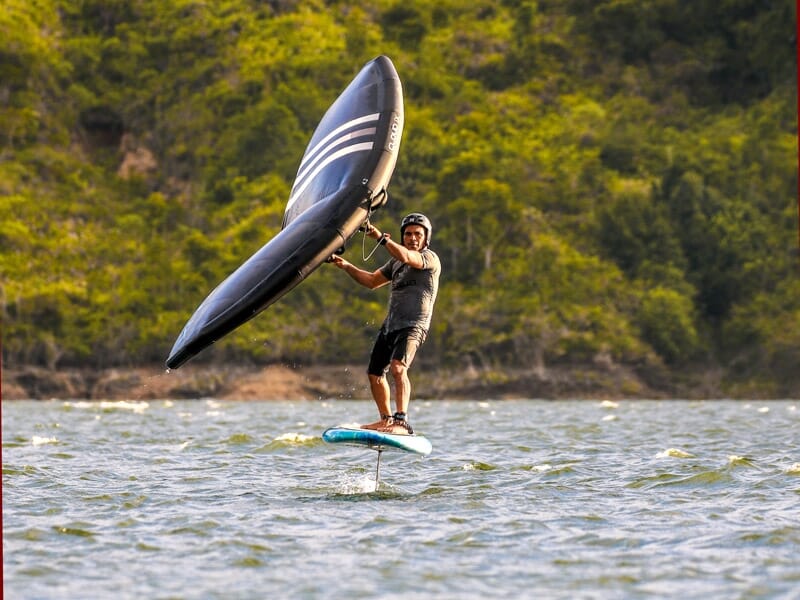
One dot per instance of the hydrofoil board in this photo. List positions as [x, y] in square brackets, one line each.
[376, 440]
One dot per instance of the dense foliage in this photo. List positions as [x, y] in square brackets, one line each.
[610, 180]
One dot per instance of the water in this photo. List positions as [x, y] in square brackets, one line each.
[533, 499]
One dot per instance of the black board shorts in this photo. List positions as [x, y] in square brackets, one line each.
[400, 345]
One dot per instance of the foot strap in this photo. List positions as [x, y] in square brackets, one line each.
[399, 418]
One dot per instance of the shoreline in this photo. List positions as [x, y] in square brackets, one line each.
[349, 382]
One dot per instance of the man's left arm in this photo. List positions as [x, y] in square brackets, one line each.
[410, 257]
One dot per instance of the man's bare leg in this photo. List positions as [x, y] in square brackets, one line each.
[382, 395]
[402, 385]
[402, 388]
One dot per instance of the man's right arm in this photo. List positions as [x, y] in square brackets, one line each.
[371, 280]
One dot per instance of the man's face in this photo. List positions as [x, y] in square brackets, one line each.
[414, 237]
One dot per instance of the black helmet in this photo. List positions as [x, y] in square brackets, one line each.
[417, 219]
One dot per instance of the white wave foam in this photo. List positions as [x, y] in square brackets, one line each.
[79, 404]
[41, 441]
[362, 484]
[137, 407]
[293, 438]
[735, 459]
[674, 453]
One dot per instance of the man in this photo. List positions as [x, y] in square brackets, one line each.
[413, 270]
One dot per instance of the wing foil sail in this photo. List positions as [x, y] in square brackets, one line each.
[348, 163]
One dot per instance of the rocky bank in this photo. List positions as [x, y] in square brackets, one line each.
[280, 382]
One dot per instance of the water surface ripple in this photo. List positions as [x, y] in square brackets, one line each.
[545, 499]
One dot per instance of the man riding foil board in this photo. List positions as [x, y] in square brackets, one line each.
[413, 270]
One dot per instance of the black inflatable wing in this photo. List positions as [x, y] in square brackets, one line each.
[342, 177]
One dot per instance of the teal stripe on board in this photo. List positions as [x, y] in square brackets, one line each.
[377, 441]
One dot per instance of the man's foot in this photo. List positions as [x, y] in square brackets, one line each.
[399, 425]
[385, 422]
[396, 429]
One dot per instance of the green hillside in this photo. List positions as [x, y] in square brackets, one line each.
[609, 180]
